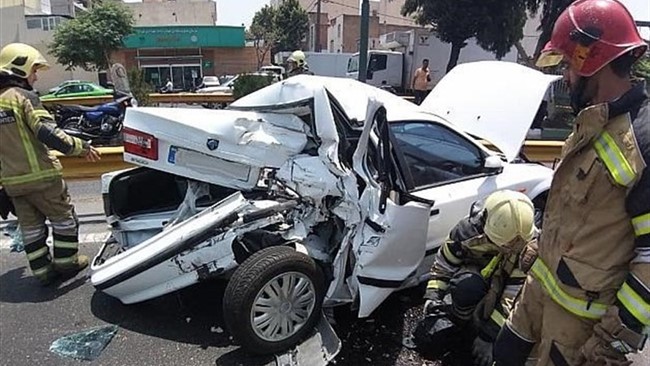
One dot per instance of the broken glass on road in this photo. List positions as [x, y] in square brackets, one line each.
[86, 345]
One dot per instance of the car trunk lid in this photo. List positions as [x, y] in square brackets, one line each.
[227, 148]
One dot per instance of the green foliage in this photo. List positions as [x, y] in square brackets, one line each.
[496, 24]
[292, 25]
[278, 29]
[140, 89]
[246, 84]
[642, 68]
[551, 10]
[263, 32]
[88, 40]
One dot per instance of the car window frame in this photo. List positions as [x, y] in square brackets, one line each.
[403, 165]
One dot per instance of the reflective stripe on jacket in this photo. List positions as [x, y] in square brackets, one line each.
[27, 132]
[590, 253]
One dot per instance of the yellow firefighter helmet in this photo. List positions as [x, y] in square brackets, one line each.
[298, 57]
[18, 59]
[510, 216]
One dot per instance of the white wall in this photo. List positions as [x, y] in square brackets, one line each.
[175, 12]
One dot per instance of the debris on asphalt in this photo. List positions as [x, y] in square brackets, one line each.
[86, 345]
[216, 330]
[188, 320]
[408, 342]
[13, 231]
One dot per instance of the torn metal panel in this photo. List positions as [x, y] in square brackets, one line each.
[128, 274]
[187, 208]
[309, 177]
[317, 350]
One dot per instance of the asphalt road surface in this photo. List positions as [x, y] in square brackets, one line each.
[183, 328]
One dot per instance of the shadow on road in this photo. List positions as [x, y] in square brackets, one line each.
[18, 286]
[239, 357]
[191, 315]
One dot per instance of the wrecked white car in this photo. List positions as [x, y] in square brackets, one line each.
[312, 192]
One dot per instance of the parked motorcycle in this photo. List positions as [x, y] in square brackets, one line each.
[100, 124]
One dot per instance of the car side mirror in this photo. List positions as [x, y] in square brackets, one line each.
[493, 162]
[369, 75]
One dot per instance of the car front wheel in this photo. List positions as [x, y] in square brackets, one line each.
[273, 300]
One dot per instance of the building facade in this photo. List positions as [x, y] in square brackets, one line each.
[186, 53]
[337, 15]
[33, 22]
[180, 12]
[344, 36]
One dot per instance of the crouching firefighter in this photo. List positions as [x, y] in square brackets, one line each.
[587, 299]
[29, 173]
[478, 268]
[297, 64]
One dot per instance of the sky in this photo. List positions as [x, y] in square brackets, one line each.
[233, 12]
[236, 12]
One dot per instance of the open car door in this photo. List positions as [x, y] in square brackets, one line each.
[389, 243]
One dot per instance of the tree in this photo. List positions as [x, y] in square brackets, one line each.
[551, 10]
[263, 32]
[292, 25]
[140, 88]
[88, 40]
[496, 24]
[641, 69]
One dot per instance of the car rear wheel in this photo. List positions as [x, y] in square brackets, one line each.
[273, 300]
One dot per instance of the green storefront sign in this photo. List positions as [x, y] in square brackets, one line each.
[185, 36]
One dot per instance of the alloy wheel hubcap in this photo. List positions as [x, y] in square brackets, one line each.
[283, 306]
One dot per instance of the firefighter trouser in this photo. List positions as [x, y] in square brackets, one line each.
[32, 209]
[538, 319]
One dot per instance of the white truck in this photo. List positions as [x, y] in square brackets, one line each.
[402, 53]
[321, 63]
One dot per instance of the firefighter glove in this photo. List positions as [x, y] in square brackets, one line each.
[596, 352]
[434, 307]
[619, 337]
[528, 256]
[482, 352]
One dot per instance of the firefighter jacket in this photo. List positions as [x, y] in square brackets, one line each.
[27, 133]
[594, 251]
[468, 248]
[301, 70]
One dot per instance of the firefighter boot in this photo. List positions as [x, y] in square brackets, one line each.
[77, 264]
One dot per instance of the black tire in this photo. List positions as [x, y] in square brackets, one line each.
[247, 284]
[72, 123]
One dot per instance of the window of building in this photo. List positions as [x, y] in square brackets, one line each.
[45, 23]
[34, 23]
[338, 31]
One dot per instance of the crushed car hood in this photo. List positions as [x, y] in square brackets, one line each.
[493, 100]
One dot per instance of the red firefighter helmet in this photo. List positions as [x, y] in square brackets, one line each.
[589, 34]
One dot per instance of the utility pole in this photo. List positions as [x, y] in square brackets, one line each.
[363, 41]
[317, 41]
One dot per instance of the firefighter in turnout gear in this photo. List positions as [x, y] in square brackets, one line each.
[587, 298]
[478, 267]
[29, 173]
[297, 64]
